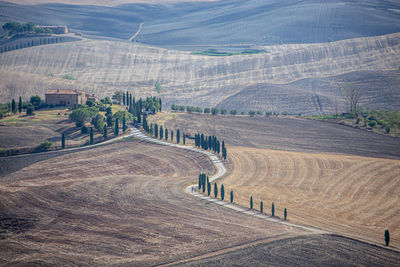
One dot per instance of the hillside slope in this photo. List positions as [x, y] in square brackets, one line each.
[191, 23]
[194, 79]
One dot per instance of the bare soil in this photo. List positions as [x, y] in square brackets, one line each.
[287, 133]
[120, 204]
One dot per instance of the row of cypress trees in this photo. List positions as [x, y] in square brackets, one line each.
[30, 43]
[203, 184]
[210, 143]
[161, 133]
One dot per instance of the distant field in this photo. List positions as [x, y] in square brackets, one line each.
[289, 134]
[242, 82]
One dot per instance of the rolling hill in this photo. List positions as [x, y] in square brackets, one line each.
[101, 67]
[186, 24]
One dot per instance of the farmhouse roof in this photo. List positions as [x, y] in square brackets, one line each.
[64, 92]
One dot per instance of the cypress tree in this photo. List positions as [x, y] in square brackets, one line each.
[273, 209]
[161, 132]
[156, 130]
[91, 135]
[63, 141]
[251, 202]
[231, 196]
[178, 136]
[139, 118]
[215, 190]
[261, 207]
[116, 130]
[204, 182]
[200, 183]
[127, 98]
[208, 188]
[13, 106]
[166, 134]
[109, 121]
[123, 99]
[387, 237]
[123, 123]
[105, 131]
[20, 105]
[172, 136]
[184, 138]
[285, 213]
[222, 192]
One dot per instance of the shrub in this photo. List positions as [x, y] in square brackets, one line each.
[372, 124]
[44, 146]
[387, 129]
[84, 130]
[30, 110]
[252, 113]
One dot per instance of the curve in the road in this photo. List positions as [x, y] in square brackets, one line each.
[221, 170]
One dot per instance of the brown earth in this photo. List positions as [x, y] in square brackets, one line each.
[353, 195]
[120, 204]
[22, 132]
[287, 133]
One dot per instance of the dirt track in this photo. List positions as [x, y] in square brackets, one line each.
[117, 204]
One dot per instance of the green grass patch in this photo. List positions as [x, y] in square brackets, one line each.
[216, 53]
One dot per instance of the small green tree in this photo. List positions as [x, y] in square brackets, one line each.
[285, 214]
[30, 110]
[215, 190]
[222, 192]
[116, 129]
[261, 207]
[84, 130]
[91, 135]
[273, 209]
[13, 106]
[251, 202]
[387, 237]
[231, 196]
[44, 146]
[63, 141]
[105, 131]
[20, 105]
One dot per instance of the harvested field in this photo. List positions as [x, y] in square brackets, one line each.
[325, 250]
[354, 196]
[120, 204]
[21, 132]
[292, 134]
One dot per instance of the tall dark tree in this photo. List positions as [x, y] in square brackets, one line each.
[251, 202]
[200, 182]
[123, 123]
[116, 129]
[222, 192]
[208, 188]
[63, 141]
[387, 237]
[261, 207]
[285, 214]
[20, 105]
[91, 135]
[156, 130]
[231, 196]
[178, 136]
[105, 132]
[109, 120]
[161, 132]
[204, 182]
[215, 190]
[172, 136]
[273, 209]
[127, 98]
[123, 99]
[13, 106]
[166, 134]
[184, 138]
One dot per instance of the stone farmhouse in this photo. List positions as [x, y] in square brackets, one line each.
[65, 97]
